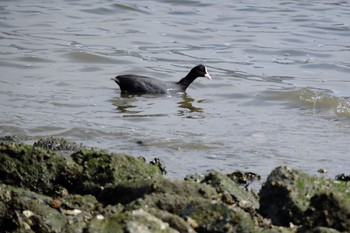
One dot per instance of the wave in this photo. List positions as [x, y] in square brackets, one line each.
[320, 102]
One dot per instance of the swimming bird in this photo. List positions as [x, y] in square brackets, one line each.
[137, 84]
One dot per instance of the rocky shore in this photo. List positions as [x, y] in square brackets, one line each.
[42, 190]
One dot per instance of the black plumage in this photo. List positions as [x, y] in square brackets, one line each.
[136, 84]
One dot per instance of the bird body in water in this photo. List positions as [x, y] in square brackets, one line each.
[137, 84]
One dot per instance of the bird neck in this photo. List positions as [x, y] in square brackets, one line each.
[186, 81]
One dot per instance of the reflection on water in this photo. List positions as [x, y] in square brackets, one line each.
[186, 105]
[125, 104]
[137, 105]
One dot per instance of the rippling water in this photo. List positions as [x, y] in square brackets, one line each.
[279, 94]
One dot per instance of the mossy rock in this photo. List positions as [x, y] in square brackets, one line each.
[25, 211]
[287, 193]
[57, 144]
[85, 172]
[329, 209]
[150, 190]
[237, 194]
[134, 221]
[101, 169]
[209, 216]
[174, 221]
[34, 168]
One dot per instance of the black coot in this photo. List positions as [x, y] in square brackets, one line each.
[136, 84]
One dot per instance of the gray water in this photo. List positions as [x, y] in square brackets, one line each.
[279, 94]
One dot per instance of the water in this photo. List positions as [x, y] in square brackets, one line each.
[279, 94]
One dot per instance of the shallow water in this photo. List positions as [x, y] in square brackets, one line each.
[279, 94]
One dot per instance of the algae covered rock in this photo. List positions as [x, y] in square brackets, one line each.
[160, 193]
[34, 168]
[135, 221]
[26, 211]
[174, 221]
[100, 169]
[85, 172]
[97, 191]
[57, 144]
[287, 194]
[231, 191]
[329, 209]
[212, 216]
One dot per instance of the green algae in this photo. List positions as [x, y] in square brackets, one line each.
[31, 167]
[287, 195]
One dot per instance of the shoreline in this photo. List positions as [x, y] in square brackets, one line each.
[97, 191]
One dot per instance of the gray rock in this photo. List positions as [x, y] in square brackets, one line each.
[232, 192]
[135, 221]
[26, 211]
[212, 216]
[287, 194]
[329, 209]
[85, 172]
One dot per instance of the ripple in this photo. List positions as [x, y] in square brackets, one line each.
[88, 57]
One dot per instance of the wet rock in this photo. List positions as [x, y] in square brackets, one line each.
[211, 216]
[319, 230]
[101, 169]
[124, 193]
[142, 221]
[197, 178]
[244, 178]
[329, 209]
[26, 211]
[11, 138]
[342, 177]
[232, 192]
[161, 165]
[85, 172]
[35, 168]
[135, 221]
[154, 193]
[174, 221]
[57, 144]
[322, 170]
[287, 194]
[96, 191]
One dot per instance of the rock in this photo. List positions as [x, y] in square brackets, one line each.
[232, 192]
[11, 138]
[212, 216]
[142, 221]
[101, 169]
[35, 168]
[85, 172]
[97, 191]
[57, 144]
[174, 221]
[321, 230]
[153, 193]
[342, 177]
[23, 210]
[287, 194]
[161, 165]
[135, 221]
[244, 178]
[329, 209]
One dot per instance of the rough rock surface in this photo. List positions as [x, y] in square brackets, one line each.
[291, 196]
[96, 191]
